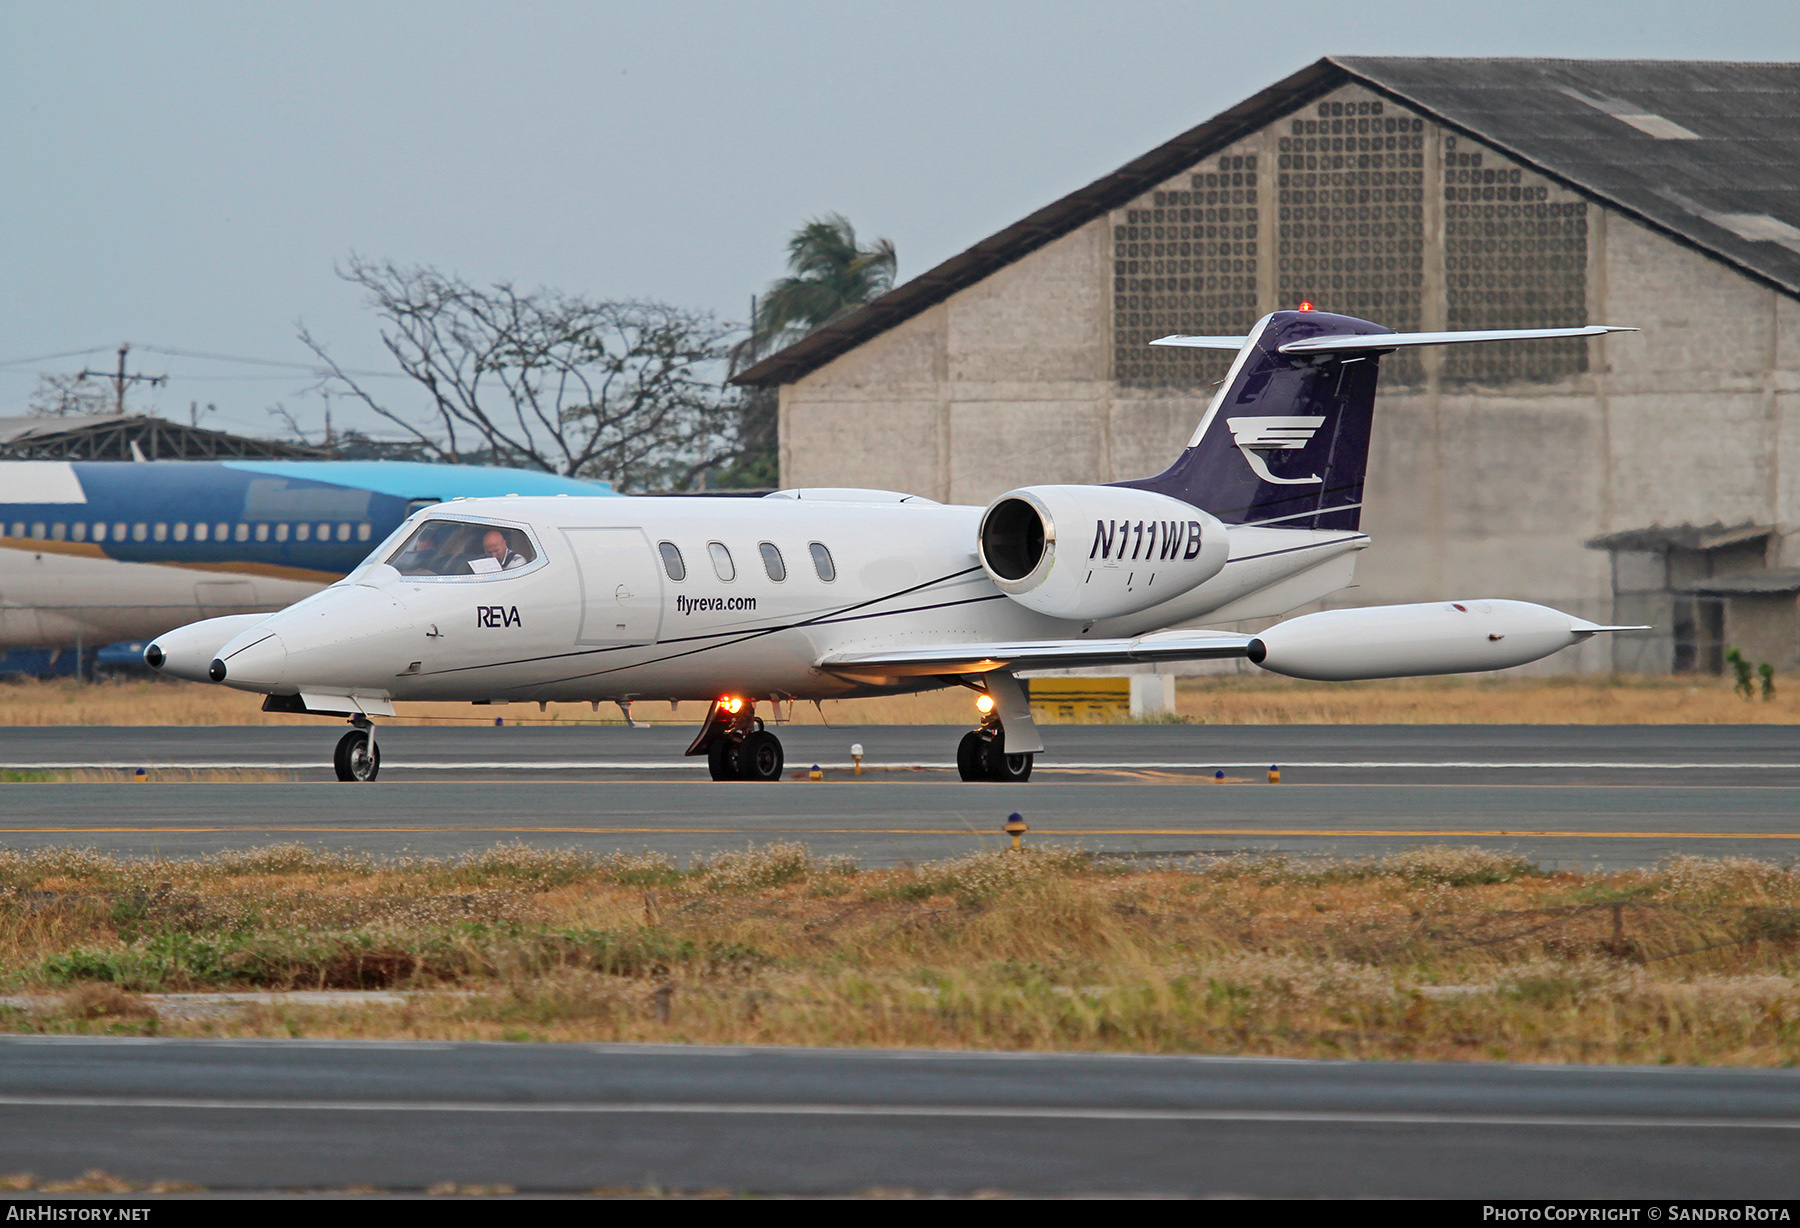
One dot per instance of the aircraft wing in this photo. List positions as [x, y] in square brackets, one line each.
[981, 658]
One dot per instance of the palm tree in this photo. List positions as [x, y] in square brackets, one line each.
[829, 276]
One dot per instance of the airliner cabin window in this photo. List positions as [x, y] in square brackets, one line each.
[672, 560]
[772, 562]
[461, 548]
[722, 563]
[822, 562]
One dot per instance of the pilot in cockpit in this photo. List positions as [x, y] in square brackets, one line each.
[496, 554]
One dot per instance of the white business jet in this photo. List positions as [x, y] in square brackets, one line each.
[834, 594]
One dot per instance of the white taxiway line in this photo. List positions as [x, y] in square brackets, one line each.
[677, 764]
[647, 1108]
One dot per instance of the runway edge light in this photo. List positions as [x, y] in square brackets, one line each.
[1015, 827]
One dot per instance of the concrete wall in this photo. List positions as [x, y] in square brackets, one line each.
[1474, 490]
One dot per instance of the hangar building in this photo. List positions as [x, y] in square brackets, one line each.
[1645, 477]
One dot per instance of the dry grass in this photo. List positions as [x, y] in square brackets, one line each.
[1251, 699]
[1432, 953]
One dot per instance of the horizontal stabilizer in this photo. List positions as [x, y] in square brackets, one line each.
[981, 658]
[1391, 341]
[1203, 343]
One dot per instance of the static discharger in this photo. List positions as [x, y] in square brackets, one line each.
[1015, 827]
[856, 756]
[1274, 774]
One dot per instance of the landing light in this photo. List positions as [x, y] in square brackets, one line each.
[984, 704]
[731, 703]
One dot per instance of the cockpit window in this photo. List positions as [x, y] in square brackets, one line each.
[461, 548]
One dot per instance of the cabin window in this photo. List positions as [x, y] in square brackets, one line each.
[772, 561]
[79, 533]
[243, 532]
[118, 533]
[37, 530]
[343, 532]
[200, 532]
[822, 562]
[221, 532]
[262, 532]
[302, 532]
[58, 532]
[181, 530]
[461, 548]
[362, 531]
[672, 560]
[324, 532]
[281, 532]
[139, 531]
[18, 528]
[159, 532]
[721, 559]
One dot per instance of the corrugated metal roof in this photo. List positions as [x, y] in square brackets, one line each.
[1775, 580]
[1656, 538]
[1706, 152]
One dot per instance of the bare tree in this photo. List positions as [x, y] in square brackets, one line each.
[630, 392]
[58, 396]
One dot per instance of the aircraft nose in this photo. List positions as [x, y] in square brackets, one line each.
[260, 661]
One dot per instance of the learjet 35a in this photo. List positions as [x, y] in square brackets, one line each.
[834, 594]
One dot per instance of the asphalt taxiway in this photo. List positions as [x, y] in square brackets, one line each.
[253, 1115]
[1571, 795]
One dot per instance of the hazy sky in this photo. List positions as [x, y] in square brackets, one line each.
[186, 175]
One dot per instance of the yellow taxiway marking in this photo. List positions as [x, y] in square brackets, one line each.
[958, 831]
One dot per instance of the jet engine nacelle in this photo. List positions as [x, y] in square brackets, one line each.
[1092, 552]
[188, 652]
[1401, 641]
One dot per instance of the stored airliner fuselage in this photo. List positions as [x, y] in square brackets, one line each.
[839, 593]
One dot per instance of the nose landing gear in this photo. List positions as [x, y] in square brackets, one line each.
[736, 745]
[358, 758]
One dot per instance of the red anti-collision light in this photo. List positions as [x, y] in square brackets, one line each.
[1305, 305]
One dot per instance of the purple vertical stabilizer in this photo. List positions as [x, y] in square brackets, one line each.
[1286, 439]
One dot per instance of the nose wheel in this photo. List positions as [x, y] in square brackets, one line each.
[981, 755]
[357, 758]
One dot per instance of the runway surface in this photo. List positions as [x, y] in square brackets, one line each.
[1564, 795]
[298, 1114]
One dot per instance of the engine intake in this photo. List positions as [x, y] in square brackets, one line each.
[1093, 552]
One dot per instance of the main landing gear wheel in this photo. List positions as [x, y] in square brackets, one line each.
[737, 745]
[720, 760]
[981, 755]
[758, 756]
[358, 758]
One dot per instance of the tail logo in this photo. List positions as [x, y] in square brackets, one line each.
[1253, 436]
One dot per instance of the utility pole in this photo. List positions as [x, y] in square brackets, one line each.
[120, 379]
